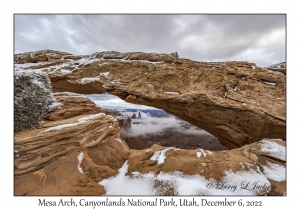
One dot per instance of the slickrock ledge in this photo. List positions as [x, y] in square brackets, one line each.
[238, 102]
[35, 148]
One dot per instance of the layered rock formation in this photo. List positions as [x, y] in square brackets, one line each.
[77, 151]
[48, 160]
[72, 105]
[237, 102]
[280, 67]
[84, 155]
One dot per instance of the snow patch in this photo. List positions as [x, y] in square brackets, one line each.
[105, 74]
[204, 154]
[242, 165]
[275, 172]
[80, 158]
[135, 173]
[64, 72]
[270, 83]
[91, 117]
[275, 150]
[55, 106]
[80, 121]
[144, 184]
[159, 156]
[225, 95]
[89, 80]
[172, 93]
[199, 154]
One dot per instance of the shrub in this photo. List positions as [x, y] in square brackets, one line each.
[175, 54]
[33, 98]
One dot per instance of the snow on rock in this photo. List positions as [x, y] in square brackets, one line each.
[80, 121]
[199, 154]
[275, 150]
[124, 185]
[270, 83]
[159, 156]
[55, 105]
[80, 158]
[91, 117]
[225, 95]
[89, 80]
[105, 74]
[275, 172]
[202, 151]
[242, 165]
[65, 72]
[26, 65]
[239, 183]
[135, 173]
[172, 93]
[209, 152]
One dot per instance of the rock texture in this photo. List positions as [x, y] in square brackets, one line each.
[72, 105]
[249, 160]
[73, 153]
[238, 102]
[38, 147]
[280, 67]
[48, 159]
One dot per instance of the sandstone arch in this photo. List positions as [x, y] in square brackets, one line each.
[237, 102]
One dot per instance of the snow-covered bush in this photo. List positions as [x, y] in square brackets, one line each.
[33, 98]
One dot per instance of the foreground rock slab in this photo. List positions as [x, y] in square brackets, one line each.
[238, 102]
[254, 169]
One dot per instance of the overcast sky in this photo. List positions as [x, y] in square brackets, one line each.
[253, 38]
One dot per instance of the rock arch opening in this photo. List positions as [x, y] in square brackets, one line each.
[143, 126]
[238, 102]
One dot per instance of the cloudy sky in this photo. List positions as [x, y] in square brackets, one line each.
[109, 101]
[253, 38]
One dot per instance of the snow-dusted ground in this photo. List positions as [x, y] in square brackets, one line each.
[248, 182]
